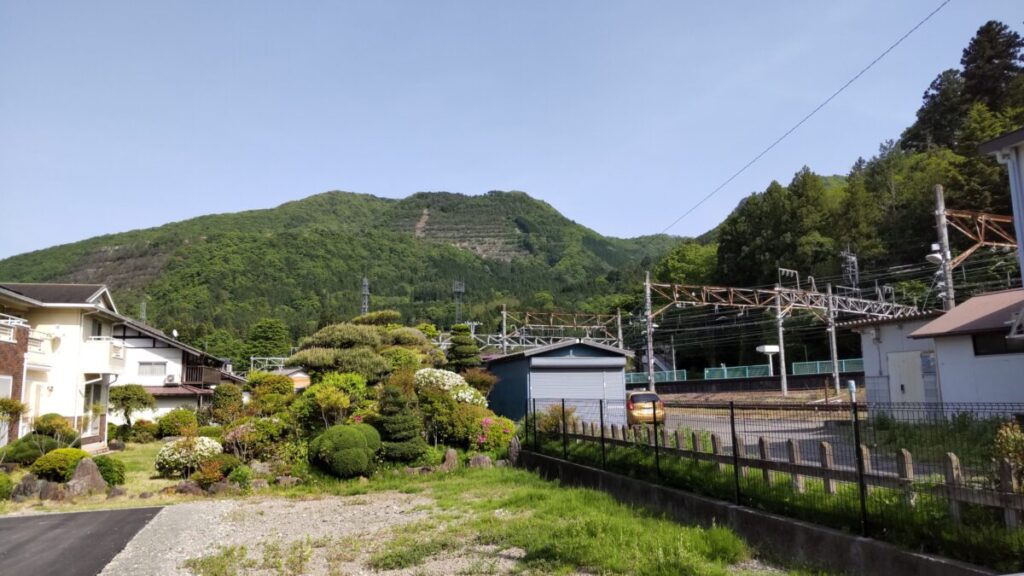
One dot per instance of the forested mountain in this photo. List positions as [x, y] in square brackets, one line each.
[302, 262]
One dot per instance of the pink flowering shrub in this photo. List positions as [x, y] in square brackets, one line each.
[492, 434]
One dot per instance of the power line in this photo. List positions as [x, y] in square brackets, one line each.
[807, 117]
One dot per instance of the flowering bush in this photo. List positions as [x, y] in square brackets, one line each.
[183, 455]
[256, 438]
[468, 395]
[434, 378]
[493, 434]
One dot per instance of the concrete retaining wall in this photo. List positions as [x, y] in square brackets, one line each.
[798, 541]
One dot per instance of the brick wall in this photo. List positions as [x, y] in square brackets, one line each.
[12, 363]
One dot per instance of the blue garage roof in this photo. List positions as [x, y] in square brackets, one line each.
[560, 346]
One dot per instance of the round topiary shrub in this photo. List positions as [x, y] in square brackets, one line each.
[493, 434]
[183, 456]
[29, 448]
[58, 465]
[344, 451]
[6, 486]
[242, 476]
[144, 431]
[54, 426]
[371, 435]
[112, 469]
[176, 421]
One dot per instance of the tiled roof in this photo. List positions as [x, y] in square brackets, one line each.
[56, 293]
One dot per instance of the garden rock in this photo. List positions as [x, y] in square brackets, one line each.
[27, 488]
[8, 467]
[513, 450]
[115, 492]
[51, 491]
[287, 481]
[501, 464]
[146, 495]
[480, 461]
[414, 471]
[188, 487]
[451, 460]
[260, 468]
[86, 480]
[260, 484]
[115, 445]
[225, 487]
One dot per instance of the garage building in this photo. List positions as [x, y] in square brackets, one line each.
[580, 371]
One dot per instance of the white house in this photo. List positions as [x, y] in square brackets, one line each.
[976, 360]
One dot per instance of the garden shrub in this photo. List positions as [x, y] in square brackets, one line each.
[226, 462]
[434, 378]
[463, 352]
[363, 361]
[112, 431]
[175, 422]
[371, 435]
[344, 335]
[29, 448]
[242, 476]
[550, 420]
[144, 431]
[480, 379]
[58, 465]
[227, 402]
[401, 425]
[54, 426]
[128, 398]
[464, 425]
[406, 337]
[182, 456]
[112, 469]
[208, 474]
[256, 438]
[343, 450]
[378, 318]
[428, 330]
[6, 485]
[437, 407]
[267, 383]
[212, 431]
[401, 359]
[493, 434]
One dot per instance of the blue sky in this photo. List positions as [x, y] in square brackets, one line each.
[622, 115]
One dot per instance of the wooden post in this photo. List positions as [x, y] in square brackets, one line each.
[793, 453]
[954, 479]
[697, 446]
[905, 469]
[679, 440]
[741, 452]
[762, 449]
[607, 433]
[865, 456]
[664, 437]
[827, 464]
[1008, 485]
[716, 449]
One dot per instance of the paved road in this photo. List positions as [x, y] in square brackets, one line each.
[76, 544]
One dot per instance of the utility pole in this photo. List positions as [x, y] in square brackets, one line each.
[949, 300]
[650, 332]
[618, 324]
[782, 344]
[673, 339]
[832, 339]
[851, 270]
[365, 309]
[504, 330]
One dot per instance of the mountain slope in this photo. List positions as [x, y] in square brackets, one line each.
[303, 261]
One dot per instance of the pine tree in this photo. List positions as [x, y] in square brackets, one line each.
[992, 61]
[268, 337]
[400, 425]
[464, 352]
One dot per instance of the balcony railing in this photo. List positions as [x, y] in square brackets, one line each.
[200, 375]
[103, 355]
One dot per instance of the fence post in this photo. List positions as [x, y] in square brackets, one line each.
[735, 449]
[526, 421]
[600, 404]
[716, 449]
[793, 453]
[565, 435]
[905, 469]
[679, 440]
[695, 438]
[862, 486]
[954, 478]
[1008, 485]
[654, 433]
[827, 464]
[762, 449]
[739, 448]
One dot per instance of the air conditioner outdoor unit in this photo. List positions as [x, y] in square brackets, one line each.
[169, 379]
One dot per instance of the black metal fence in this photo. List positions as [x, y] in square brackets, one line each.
[941, 478]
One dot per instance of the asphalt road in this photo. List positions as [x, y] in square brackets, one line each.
[76, 544]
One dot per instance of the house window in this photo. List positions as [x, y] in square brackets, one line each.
[97, 328]
[993, 343]
[153, 369]
[6, 386]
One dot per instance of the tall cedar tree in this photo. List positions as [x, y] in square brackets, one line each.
[401, 425]
[269, 337]
[992, 61]
[463, 353]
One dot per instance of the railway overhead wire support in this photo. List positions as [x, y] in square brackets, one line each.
[991, 230]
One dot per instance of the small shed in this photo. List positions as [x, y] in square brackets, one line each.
[581, 372]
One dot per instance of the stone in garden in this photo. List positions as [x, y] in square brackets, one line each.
[480, 461]
[287, 481]
[501, 463]
[115, 492]
[146, 495]
[51, 491]
[224, 487]
[8, 467]
[188, 487]
[451, 460]
[169, 490]
[260, 468]
[115, 445]
[86, 479]
[260, 484]
[27, 488]
[513, 450]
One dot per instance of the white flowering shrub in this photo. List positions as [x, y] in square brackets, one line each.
[182, 456]
[466, 394]
[434, 378]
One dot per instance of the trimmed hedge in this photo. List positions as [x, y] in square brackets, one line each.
[58, 465]
[112, 469]
[175, 421]
[346, 450]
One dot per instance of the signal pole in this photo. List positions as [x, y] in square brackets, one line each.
[948, 301]
[782, 345]
[832, 340]
[650, 331]
[504, 330]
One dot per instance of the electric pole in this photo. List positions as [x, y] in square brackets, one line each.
[504, 330]
[948, 300]
[365, 309]
[782, 344]
[618, 324]
[832, 340]
[650, 331]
